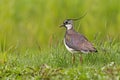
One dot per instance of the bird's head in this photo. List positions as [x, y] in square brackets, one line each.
[68, 23]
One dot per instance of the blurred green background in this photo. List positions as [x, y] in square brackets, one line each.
[30, 23]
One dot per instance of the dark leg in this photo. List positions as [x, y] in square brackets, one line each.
[81, 60]
[73, 58]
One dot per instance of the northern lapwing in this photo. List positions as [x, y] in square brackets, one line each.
[76, 42]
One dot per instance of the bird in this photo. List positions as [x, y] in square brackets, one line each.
[76, 42]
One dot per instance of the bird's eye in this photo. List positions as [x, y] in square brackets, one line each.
[66, 22]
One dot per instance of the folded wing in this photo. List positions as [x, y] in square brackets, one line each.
[79, 43]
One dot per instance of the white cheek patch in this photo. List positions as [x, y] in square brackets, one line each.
[69, 26]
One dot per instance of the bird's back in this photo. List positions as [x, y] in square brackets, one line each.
[78, 42]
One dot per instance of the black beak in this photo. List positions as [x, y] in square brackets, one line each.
[62, 25]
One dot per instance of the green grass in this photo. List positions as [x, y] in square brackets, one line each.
[55, 63]
[31, 46]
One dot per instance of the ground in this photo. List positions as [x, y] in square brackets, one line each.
[54, 63]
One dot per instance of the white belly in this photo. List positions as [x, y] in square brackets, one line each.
[72, 50]
[69, 49]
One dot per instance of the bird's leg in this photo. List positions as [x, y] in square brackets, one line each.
[81, 60]
[73, 58]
